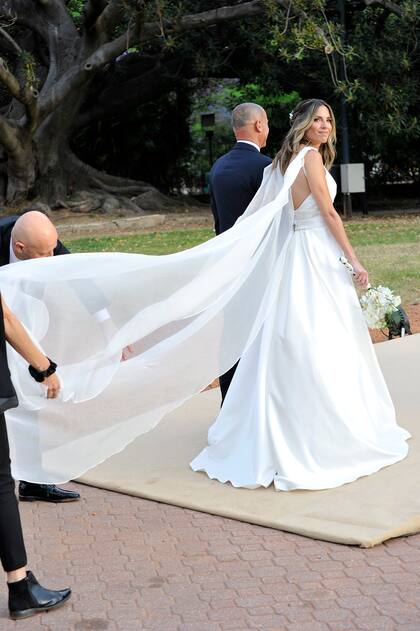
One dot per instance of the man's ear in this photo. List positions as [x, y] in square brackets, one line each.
[18, 247]
[258, 125]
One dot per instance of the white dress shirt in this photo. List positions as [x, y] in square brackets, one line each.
[12, 256]
[249, 142]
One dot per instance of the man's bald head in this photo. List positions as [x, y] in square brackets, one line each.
[250, 122]
[34, 236]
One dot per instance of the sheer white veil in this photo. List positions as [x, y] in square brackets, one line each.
[189, 317]
[271, 185]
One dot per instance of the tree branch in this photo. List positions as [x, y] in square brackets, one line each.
[109, 51]
[109, 18]
[55, 12]
[10, 40]
[220, 15]
[387, 4]
[8, 137]
[92, 10]
[209, 18]
[27, 96]
[71, 80]
[23, 13]
[9, 80]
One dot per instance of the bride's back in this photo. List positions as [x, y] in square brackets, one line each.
[300, 189]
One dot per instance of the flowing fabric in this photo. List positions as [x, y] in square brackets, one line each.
[308, 406]
[189, 317]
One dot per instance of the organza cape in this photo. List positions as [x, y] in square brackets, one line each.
[188, 316]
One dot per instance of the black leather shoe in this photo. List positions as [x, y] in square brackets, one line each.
[27, 597]
[30, 492]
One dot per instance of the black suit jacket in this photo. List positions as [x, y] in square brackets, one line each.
[234, 179]
[6, 227]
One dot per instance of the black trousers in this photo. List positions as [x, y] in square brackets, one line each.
[224, 380]
[12, 547]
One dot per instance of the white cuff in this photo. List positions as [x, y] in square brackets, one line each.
[102, 315]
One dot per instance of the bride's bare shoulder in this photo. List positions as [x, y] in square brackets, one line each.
[301, 147]
[313, 158]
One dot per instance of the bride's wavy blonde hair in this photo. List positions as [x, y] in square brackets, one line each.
[301, 119]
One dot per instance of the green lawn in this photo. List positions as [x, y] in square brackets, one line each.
[389, 248]
[389, 231]
[148, 243]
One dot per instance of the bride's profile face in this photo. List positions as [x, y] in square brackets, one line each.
[320, 130]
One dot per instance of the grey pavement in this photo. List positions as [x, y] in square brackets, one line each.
[135, 564]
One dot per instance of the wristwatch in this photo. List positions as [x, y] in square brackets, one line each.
[40, 375]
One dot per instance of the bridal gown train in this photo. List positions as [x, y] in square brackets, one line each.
[308, 407]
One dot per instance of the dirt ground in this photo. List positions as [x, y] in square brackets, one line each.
[191, 218]
[413, 312]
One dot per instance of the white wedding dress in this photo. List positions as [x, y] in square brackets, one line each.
[308, 407]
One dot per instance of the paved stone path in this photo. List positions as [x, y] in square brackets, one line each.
[134, 564]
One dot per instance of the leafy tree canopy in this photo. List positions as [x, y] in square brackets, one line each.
[107, 81]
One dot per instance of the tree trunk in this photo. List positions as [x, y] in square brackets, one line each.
[54, 182]
[42, 162]
[20, 174]
[50, 170]
[54, 179]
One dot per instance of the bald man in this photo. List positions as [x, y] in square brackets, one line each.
[28, 236]
[236, 176]
[32, 236]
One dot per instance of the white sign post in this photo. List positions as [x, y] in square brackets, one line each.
[352, 181]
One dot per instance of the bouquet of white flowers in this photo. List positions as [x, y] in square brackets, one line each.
[379, 304]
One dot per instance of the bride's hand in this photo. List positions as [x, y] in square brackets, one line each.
[360, 274]
[126, 352]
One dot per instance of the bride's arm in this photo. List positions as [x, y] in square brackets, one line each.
[317, 181]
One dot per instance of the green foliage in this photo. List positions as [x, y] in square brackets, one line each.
[221, 97]
[273, 59]
[29, 69]
[385, 113]
[75, 9]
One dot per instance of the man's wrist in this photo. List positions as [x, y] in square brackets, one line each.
[44, 365]
[41, 375]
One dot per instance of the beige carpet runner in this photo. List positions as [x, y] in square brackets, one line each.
[365, 512]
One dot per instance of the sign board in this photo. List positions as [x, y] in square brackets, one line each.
[352, 178]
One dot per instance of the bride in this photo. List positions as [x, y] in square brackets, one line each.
[308, 407]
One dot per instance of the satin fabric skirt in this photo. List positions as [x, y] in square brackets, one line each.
[308, 407]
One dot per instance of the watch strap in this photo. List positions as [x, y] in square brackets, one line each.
[40, 375]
